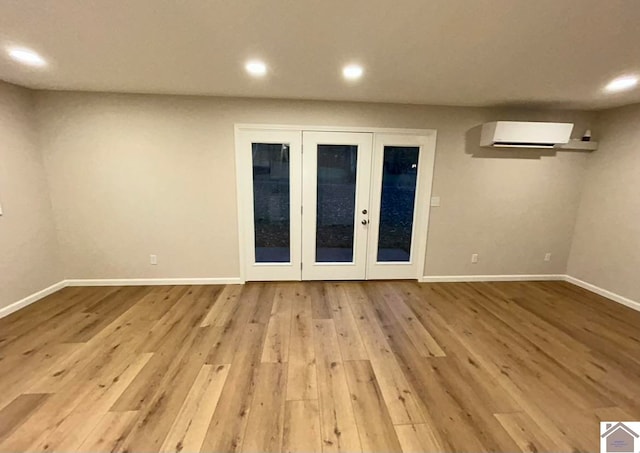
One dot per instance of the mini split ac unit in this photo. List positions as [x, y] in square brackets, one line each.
[525, 134]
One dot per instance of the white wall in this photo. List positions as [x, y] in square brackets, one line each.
[28, 244]
[133, 175]
[606, 245]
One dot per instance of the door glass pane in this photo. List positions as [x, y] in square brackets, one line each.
[271, 211]
[399, 178]
[336, 202]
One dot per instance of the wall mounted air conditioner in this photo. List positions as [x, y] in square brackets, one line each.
[525, 134]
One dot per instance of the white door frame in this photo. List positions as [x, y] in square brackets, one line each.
[242, 189]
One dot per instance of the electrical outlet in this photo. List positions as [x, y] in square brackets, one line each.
[435, 202]
[547, 257]
[153, 259]
[474, 258]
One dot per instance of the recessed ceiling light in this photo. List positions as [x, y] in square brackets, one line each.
[622, 83]
[26, 56]
[256, 68]
[352, 72]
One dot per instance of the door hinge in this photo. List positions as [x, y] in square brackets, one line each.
[300, 265]
[301, 210]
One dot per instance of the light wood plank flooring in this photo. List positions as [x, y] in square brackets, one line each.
[309, 367]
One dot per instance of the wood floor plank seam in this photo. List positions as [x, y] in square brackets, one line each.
[332, 439]
[339, 352]
[397, 392]
[302, 376]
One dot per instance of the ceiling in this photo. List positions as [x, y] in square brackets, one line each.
[557, 53]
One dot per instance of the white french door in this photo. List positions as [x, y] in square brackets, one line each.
[336, 179]
[269, 196]
[321, 205]
[401, 181]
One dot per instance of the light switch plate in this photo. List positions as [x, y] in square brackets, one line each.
[435, 201]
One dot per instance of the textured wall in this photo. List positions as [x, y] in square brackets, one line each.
[28, 244]
[133, 175]
[606, 245]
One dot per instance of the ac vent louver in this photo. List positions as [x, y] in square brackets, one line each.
[523, 145]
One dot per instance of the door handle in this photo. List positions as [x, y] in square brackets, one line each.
[364, 222]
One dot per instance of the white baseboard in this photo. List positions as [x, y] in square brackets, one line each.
[6, 311]
[523, 278]
[490, 278]
[154, 281]
[234, 281]
[604, 293]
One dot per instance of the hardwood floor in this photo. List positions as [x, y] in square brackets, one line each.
[333, 367]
